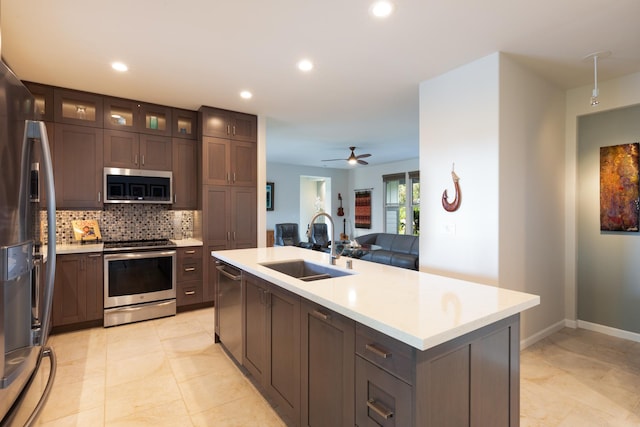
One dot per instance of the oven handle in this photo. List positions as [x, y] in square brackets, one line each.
[224, 272]
[136, 308]
[131, 255]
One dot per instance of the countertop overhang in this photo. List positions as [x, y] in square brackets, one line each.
[419, 309]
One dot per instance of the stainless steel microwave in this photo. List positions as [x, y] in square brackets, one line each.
[137, 186]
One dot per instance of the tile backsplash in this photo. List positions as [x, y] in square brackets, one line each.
[127, 222]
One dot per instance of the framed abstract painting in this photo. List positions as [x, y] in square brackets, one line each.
[619, 203]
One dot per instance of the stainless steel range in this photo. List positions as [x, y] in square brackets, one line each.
[139, 281]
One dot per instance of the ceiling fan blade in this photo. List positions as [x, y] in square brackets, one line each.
[362, 162]
[362, 156]
[331, 160]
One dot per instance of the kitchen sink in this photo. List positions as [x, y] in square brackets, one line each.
[305, 270]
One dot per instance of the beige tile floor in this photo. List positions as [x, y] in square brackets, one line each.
[168, 372]
[163, 372]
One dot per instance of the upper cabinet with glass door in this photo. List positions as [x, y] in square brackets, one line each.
[185, 124]
[43, 95]
[77, 108]
[121, 114]
[155, 120]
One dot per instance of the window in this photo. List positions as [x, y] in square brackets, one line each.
[398, 202]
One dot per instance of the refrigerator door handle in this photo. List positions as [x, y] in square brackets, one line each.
[38, 130]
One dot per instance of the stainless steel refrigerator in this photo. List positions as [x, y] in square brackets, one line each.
[26, 291]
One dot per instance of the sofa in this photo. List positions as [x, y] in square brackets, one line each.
[398, 250]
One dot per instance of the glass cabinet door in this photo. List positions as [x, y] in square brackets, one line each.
[121, 114]
[184, 124]
[78, 108]
[155, 119]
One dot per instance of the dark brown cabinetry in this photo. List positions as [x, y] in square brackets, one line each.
[185, 124]
[472, 380]
[228, 124]
[77, 108]
[78, 158]
[349, 374]
[78, 289]
[136, 151]
[272, 343]
[229, 222]
[43, 95]
[327, 361]
[189, 276]
[229, 162]
[121, 114]
[185, 173]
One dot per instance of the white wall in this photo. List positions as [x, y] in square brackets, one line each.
[286, 179]
[459, 123]
[616, 93]
[502, 126]
[531, 226]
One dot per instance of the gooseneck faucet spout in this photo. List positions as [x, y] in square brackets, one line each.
[334, 256]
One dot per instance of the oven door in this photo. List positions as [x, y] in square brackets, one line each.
[139, 277]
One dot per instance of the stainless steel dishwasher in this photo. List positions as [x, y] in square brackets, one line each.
[229, 309]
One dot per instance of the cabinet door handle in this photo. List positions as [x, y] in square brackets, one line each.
[190, 292]
[190, 269]
[95, 255]
[190, 252]
[379, 409]
[234, 177]
[234, 235]
[135, 159]
[320, 315]
[99, 196]
[175, 198]
[142, 161]
[228, 129]
[228, 235]
[234, 130]
[377, 351]
[227, 177]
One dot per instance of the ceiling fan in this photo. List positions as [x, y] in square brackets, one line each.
[352, 159]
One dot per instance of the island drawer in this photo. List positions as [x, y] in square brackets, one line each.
[381, 398]
[390, 354]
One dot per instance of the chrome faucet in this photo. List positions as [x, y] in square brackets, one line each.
[334, 256]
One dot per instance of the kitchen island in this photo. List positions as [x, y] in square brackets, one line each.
[377, 344]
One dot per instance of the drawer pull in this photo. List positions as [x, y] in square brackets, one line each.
[320, 315]
[190, 269]
[191, 252]
[190, 292]
[379, 409]
[378, 352]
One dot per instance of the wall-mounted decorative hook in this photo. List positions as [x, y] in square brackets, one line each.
[453, 206]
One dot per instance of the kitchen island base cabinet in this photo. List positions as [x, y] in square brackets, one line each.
[272, 343]
[320, 368]
[470, 381]
[328, 343]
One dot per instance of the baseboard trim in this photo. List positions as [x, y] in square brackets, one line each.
[607, 330]
[542, 334]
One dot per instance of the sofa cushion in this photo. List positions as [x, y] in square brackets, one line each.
[403, 244]
[398, 250]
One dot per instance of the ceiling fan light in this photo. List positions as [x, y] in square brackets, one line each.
[352, 160]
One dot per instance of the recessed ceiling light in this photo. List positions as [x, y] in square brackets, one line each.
[382, 8]
[245, 94]
[305, 65]
[119, 66]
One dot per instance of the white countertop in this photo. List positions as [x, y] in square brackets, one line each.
[78, 248]
[419, 309]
